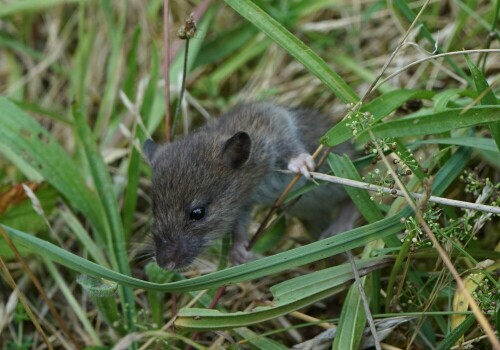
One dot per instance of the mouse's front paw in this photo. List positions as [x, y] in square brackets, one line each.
[302, 164]
[240, 255]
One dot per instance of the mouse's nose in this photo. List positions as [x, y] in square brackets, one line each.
[172, 255]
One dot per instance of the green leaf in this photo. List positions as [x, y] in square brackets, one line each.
[224, 44]
[97, 287]
[289, 296]
[294, 47]
[472, 142]
[263, 267]
[116, 236]
[103, 183]
[115, 31]
[83, 237]
[435, 123]
[26, 138]
[379, 108]
[352, 320]
[135, 159]
[259, 341]
[255, 47]
[130, 80]
[453, 336]
[489, 98]
[443, 98]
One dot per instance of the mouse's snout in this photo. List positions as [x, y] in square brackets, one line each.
[175, 254]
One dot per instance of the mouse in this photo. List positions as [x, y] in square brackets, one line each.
[205, 184]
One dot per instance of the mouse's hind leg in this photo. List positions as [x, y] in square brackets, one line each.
[239, 252]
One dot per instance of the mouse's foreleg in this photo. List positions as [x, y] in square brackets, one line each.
[302, 164]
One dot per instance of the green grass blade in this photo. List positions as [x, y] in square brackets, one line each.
[489, 98]
[103, 184]
[294, 47]
[444, 99]
[380, 107]
[224, 44]
[113, 68]
[352, 320]
[472, 142]
[130, 79]
[435, 123]
[29, 140]
[453, 336]
[263, 267]
[259, 341]
[135, 160]
[288, 296]
[255, 47]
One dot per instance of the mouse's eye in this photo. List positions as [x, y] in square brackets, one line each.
[197, 213]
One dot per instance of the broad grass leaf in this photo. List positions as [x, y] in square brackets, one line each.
[380, 107]
[24, 136]
[435, 123]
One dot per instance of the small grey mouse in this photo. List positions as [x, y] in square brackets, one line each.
[205, 184]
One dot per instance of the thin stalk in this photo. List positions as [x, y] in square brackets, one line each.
[181, 94]
[362, 295]
[417, 62]
[400, 193]
[166, 68]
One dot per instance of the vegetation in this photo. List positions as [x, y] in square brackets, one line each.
[413, 84]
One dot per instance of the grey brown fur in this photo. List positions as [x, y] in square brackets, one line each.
[227, 167]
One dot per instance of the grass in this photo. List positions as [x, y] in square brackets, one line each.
[82, 88]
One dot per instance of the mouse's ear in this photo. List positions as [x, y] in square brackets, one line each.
[149, 149]
[237, 150]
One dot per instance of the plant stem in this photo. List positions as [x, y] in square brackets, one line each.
[181, 94]
[166, 69]
[400, 193]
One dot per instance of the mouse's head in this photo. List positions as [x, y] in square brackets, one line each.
[197, 191]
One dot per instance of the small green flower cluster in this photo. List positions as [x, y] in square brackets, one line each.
[461, 229]
[414, 234]
[386, 144]
[379, 178]
[358, 121]
[486, 295]
[481, 187]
